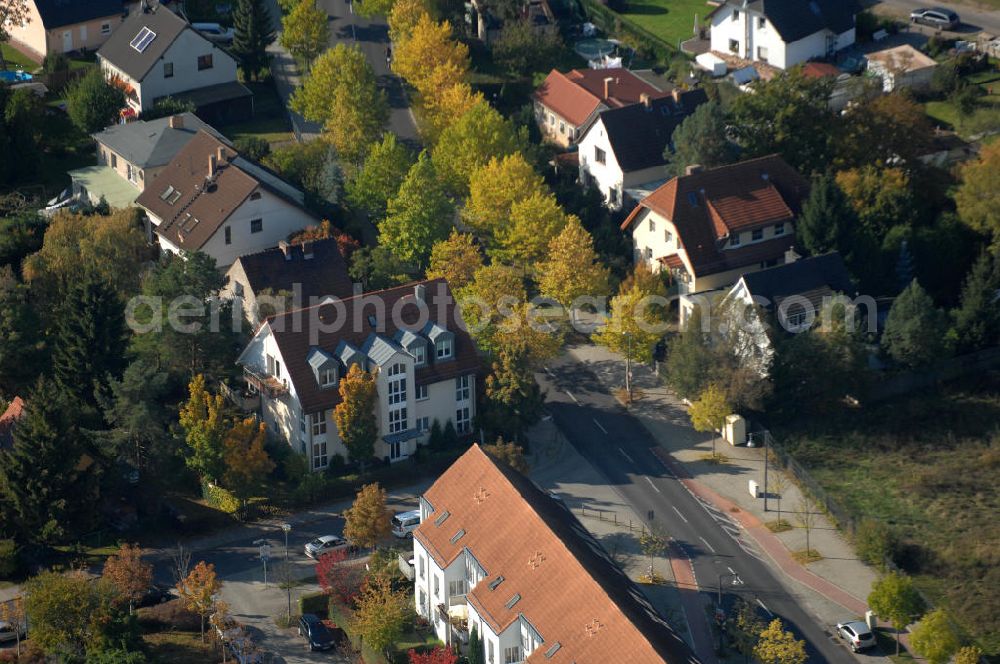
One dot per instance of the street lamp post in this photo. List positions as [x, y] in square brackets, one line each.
[628, 366]
[721, 577]
[286, 528]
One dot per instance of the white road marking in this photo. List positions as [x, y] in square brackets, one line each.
[731, 570]
[605, 431]
[707, 544]
[764, 607]
[572, 397]
[625, 454]
[679, 514]
[652, 485]
[549, 371]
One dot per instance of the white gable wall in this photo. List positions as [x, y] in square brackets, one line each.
[184, 54]
[607, 177]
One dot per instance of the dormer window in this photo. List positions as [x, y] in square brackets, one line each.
[328, 377]
[324, 367]
[420, 355]
[445, 348]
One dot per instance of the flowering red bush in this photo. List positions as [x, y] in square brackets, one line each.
[440, 655]
[338, 578]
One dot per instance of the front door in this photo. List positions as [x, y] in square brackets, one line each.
[395, 450]
[67, 41]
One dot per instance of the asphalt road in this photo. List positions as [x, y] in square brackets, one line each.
[974, 18]
[618, 445]
[372, 37]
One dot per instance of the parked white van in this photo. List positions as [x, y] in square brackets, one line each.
[404, 523]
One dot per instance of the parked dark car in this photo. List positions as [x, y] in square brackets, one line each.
[936, 17]
[155, 594]
[318, 635]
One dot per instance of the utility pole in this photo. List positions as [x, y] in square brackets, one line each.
[628, 366]
[765, 471]
[286, 528]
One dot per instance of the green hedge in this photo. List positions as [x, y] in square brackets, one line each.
[220, 499]
[317, 603]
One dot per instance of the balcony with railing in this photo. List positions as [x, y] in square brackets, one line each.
[264, 383]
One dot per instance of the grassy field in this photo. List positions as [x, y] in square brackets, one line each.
[14, 57]
[928, 465]
[986, 115]
[671, 20]
[180, 648]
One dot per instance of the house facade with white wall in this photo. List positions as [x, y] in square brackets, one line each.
[783, 33]
[155, 53]
[409, 337]
[709, 227]
[624, 147]
[212, 200]
[58, 26]
[495, 553]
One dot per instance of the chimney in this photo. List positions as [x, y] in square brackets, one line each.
[286, 249]
[307, 250]
[420, 292]
[222, 154]
[676, 94]
[211, 166]
[644, 98]
[692, 169]
[176, 121]
[607, 87]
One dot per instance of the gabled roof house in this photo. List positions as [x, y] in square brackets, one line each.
[64, 26]
[623, 149]
[783, 33]
[210, 199]
[156, 54]
[495, 551]
[566, 104]
[710, 227]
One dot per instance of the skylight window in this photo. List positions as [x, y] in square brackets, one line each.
[142, 40]
[496, 582]
[457, 536]
[513, 600]
[167, 192]
[553, 650]
[441, 519]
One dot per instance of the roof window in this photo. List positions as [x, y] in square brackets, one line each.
[496, 582]
[441, 519]
[142, 40]
[550, 653]
[457, 536]
[513, 600]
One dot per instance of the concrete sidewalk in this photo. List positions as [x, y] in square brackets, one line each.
[287, 78]
[835, 587]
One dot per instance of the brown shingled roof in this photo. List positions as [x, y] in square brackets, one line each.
[577, 94]
[297, 331]
[323, 274]
[706, 207]
[570, 591]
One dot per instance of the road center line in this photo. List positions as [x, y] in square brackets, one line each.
[652, 485]
[625, 454]
[707, 544]
[679, 514]
[572, 397]
[605, 431]
[764, 607]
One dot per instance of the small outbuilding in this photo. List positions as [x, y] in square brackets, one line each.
[902, 67]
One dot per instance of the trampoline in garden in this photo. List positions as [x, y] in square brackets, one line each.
[594, 48]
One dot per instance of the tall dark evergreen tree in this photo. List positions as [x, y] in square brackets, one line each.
[976, 321]
[701, 139]
[21, 345]
[915, 329]
[47, 481]
[88, 343]
[254, 32]
[827, 218]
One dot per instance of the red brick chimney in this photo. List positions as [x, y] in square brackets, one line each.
[176, 121]
[607, 87]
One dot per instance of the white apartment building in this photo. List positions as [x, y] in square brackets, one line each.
[495, 554]
[783, 33]
[409, 337]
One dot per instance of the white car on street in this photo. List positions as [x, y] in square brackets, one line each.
[325, 544]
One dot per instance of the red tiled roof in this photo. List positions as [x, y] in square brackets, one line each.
[570, 592]
[820, 70]
[14, 412]
[577, 94]
[706, 207]
[296, 332]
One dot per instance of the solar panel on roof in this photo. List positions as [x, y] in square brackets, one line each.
[142, 40]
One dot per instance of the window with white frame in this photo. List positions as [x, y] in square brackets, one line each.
[652, 226]
[779, 229]
[463, 389]
[444, 348]
[490, 656]
[668, 237]
[302, 422]
[599, 156]
[736, 14]
[397, 420]
[456, 588]
[318, 421]
[420, 355]
[758, 234]
[437, 586]
[734, 240]
[423, 564]
[421, 393]
[320, 458]
[397, 383]
[328, 377]
[423, 424]
[512, 655]
[105, 28]
[463, 422]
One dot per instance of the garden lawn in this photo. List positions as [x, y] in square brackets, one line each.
[270, 120]
[15, 58]
[671, 20]
[926, 465]
[180, 648]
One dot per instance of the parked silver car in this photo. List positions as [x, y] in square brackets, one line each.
[936, 17]
[215, 32]
[326, 544]
[857, 635]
